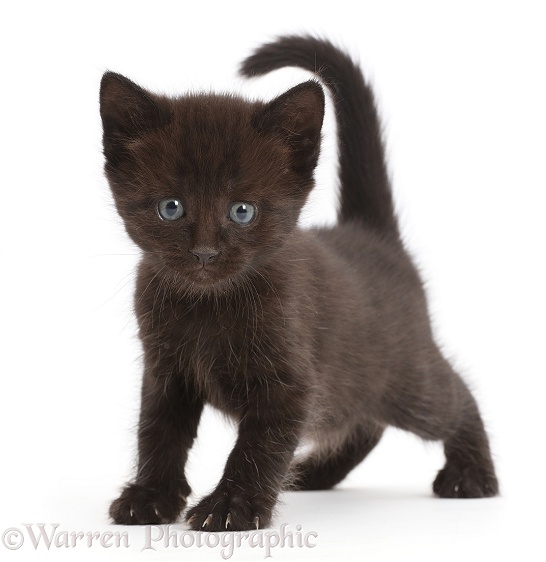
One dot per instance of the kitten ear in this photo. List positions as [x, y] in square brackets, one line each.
[297, 116]
[127, 110]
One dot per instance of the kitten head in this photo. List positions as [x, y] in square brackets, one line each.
[209, 185]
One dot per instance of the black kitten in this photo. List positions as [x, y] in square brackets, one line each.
[320, 335]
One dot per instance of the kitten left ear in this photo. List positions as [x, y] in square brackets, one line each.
[127, 111]
[297, 116]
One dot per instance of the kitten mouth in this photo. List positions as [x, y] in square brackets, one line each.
[202, 270]
[200, 275]
[205, 274]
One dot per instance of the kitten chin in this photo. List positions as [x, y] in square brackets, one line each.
[320, 335]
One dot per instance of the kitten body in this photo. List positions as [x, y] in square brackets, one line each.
[317, 335]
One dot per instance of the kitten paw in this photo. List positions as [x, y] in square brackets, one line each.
[139, 505]
[467, 482]
[225, 511]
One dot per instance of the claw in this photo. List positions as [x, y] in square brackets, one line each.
[131, 513]
[207, 521]
[228, 521]
[156, 511]
[257, 522]
[191, 520]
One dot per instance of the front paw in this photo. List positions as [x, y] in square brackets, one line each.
[140, 505]
[231, 511]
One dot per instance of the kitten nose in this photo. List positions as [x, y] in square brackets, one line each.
[204, 255]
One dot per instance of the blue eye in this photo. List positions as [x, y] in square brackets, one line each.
[170, 209]
[241, 213]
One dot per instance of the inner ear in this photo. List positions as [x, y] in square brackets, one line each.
[127, 110]
[296, 116]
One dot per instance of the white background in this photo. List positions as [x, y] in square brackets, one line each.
[461, 87]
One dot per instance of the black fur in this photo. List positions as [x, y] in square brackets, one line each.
[319, 336]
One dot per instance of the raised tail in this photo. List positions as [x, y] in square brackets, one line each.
[365, 193]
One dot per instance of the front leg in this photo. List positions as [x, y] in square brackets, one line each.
[169, 416]
[257, 466]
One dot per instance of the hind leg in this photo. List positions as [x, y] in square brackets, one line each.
[469, 470]
[439, 406]
[323, 470]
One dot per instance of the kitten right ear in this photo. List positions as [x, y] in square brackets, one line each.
[127, 110]
[296, 116]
